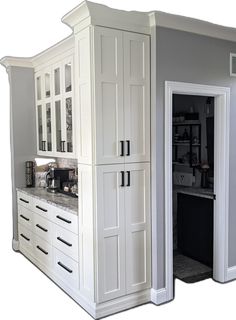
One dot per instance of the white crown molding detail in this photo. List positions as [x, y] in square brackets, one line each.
[16, 62]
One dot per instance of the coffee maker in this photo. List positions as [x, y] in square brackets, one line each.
[55, 178]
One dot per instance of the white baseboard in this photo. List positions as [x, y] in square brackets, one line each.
[15, 245]
[231, 273]
[159, 296]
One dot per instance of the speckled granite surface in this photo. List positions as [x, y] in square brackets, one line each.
[58, 199]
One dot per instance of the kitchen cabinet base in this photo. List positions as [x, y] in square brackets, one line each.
[15, 245]
[97, 311]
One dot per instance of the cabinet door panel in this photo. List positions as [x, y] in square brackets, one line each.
[138, 242]
[108, 95]
[111, 232]
[137, 96]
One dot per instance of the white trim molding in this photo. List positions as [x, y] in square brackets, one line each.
[159, 296]
[15, 245]
[221, 176]
[231, 273]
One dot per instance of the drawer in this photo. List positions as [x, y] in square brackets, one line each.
[66, 220]
[24, 200]
[66, 269]
[43, 252]
[25, 216]
[43, 208]
[66, 242]
[42, 227]
[26, 239]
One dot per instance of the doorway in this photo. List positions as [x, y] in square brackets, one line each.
[220, 96]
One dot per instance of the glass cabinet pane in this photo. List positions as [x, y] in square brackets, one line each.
[69, 124]
[57, 81]
[58, 124]
[38, 85]
[49, 126]
[40, 127]
[47, 85]
[68, 83]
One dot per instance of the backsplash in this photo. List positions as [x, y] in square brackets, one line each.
[66, 163]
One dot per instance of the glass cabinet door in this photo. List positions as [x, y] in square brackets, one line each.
[47, 85]
[40, 127]
[49, 126]
[57, 81]
[58, 126]
[38, 88]
[69, 132]
[68, 79]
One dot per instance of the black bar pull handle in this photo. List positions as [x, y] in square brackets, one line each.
[64, 267]
[41, 228]
[43, 145]
[23, 200]
[122, 148]
[128, 147]
[122, 178]
[64, 241]
[128, 176]
[25, 218]
[63, 146]
[42, 209]
[23, 236]
[63, 219]
[42, 250]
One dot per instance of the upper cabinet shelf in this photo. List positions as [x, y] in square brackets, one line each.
[55, 109]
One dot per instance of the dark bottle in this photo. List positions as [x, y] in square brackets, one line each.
[29, 173]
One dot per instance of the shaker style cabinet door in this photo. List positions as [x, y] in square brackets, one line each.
[137, 96]
[108, 56]
[137, 215]
[111, 232]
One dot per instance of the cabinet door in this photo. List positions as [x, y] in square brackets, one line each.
[137, 96]
[137, 213]
[40, 113]
[108, 56]
[111, 232]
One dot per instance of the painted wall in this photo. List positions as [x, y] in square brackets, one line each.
[187, 57]
[22, 126]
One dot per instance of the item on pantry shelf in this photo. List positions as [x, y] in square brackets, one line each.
[185, 135]
[29, 174]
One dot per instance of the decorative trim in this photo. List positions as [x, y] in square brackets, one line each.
[221, 173]
[231, 273]
[16, 62]
[15, 245]
[159, 296]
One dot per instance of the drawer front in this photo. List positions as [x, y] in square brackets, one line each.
[24, 200]
[26, 238]
[66, 220]
[43, 209]
[43, 228]
[66, 269]
[66, 242]
[25, 216]
[43, 252]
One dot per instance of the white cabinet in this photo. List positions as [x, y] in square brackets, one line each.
[55, 109]
[122, 96]
[123, 217]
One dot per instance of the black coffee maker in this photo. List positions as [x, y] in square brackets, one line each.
[55, 178]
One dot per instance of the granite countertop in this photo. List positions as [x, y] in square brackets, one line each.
[59, 200]
[195, 191]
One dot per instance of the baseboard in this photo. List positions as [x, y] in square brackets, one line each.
[159, 296]
[122, 303]
[15, 245]
[231, 273]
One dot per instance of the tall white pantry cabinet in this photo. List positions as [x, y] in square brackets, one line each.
[112, 68]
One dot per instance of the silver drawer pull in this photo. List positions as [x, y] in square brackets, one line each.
[25, 218]
[42, 209]
[23, 200]
[41, 249]
[64, 241]
[23, 236]
[42, 228]
[64, 267]
[63, 219]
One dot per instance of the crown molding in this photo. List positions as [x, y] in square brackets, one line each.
[16, 62]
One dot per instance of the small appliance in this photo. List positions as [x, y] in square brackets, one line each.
[56, 177]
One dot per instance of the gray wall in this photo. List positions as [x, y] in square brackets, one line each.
[187, 57]
[22, 126]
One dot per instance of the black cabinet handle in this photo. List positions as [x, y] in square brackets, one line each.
[128, 147]
[42, 228]
[64, 267]
[23, 236]
[122, 178]
[23, 200]
[63, 146]
[63, 219]
[42, 209]
[42, 250]
[25, 218]
[122, 148]
[43, 145]
[64, 241]
[128, 176]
